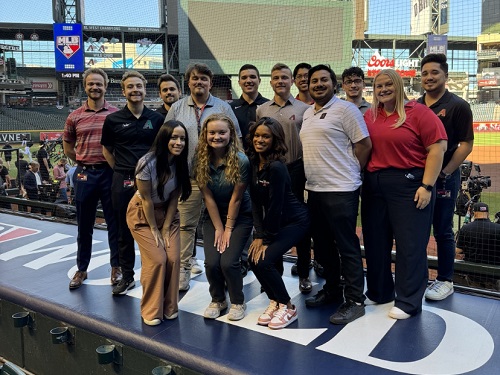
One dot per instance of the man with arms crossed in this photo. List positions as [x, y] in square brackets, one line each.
[336, 147]
[288, 111]
[456, 116]
[93, 175]
[192, 110]
[126, 136]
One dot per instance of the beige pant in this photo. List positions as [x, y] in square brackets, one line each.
[160, 266]
[190, 211]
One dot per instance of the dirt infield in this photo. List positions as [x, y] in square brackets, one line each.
[488, 157]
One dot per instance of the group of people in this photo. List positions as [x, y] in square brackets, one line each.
[251, 163]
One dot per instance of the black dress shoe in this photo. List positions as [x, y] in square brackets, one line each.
[305, 285]
[323, 297]
[318, 268]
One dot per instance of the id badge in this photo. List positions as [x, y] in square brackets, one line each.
[443, 193]
[81, 177]
[128, 183]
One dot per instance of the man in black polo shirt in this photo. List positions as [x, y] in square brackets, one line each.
[170, 92]
[456, 115]
[479, 241]
[126, 136]
[245, 107]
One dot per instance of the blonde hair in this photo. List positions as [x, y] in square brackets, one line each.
[399, 94]
[204, 153]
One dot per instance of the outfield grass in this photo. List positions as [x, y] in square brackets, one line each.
[487, 139]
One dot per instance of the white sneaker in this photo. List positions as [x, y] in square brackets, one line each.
[267, 315]
[195, 267]
[184, 279]
[369, 302]
[237, 312]
[153, 322]
[283, 317]
[397, 313]
[213, 310]
[439, 290]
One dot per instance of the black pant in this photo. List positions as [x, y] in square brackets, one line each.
[265, 269]
[298, 183]
[224, 269]
[121, 196]
[336, 244]
[389, 212]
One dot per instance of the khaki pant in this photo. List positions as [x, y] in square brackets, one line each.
[190, 211]
[160, 266]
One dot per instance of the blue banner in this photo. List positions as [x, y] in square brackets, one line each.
[437, 44]
[69, 51]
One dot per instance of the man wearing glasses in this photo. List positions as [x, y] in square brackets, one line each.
[301, 80]
[353, 83]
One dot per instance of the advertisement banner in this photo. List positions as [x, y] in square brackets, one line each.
[69, 51]
[491, 126]
[437, 44]
[421, 17]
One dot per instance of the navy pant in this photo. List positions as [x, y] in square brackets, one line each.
[444, 210]
[97, 186]
[224, 269]
[388, 212]
[121, 196]
[336, 244]
[266, 271]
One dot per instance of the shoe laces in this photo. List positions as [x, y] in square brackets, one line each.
[281, 312]
[271, 308]
[438, 286]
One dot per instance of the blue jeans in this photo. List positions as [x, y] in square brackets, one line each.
[443, 225]
[87, 195]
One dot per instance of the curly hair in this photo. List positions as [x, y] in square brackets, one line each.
[278, 148]
[204, 153]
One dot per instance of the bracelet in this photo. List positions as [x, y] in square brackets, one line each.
[227, 226]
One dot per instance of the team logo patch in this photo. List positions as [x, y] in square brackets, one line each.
[148, 125]
[12, 232]
[68, 45]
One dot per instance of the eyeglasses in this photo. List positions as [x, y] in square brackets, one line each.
[355, 81]
[302, 76]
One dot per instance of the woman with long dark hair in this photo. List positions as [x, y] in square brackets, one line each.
[162, 176]
[223, 173]
[280, 220]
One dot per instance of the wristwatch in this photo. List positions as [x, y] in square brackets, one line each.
[427, 187]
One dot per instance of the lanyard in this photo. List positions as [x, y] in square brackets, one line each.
[199, 113]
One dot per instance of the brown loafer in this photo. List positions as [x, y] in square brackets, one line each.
[116, 275]
[77, 280]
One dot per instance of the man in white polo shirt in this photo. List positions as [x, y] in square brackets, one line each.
[336, 146]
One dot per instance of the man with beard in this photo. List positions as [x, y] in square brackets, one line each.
[456, 116]
[353, 83]
[81, 142]
[126, 136]
[300, 78]
[246, 106]
[192, 110]
[288, 111]
[336, 147]
[170, 92]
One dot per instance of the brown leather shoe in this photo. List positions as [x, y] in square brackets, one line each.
[116, 275]
[77, 280]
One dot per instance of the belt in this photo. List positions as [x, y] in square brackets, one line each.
[94, 166]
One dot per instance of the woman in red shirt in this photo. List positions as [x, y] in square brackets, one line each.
[398, 194]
